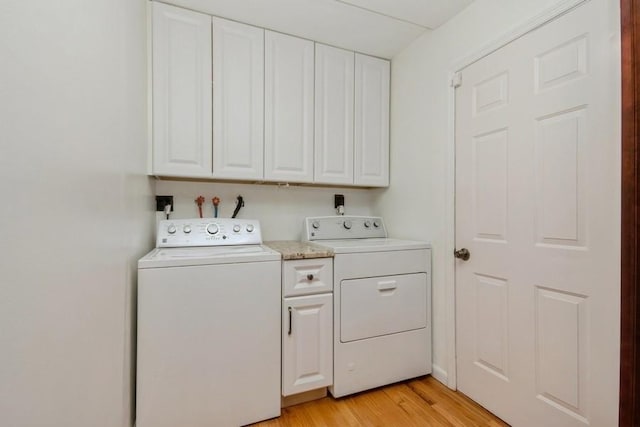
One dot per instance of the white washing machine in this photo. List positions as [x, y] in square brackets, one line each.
[208, 349]
[382, 302]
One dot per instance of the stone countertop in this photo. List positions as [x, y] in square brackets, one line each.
[292, 249]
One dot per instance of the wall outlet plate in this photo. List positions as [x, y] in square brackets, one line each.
[162, 201]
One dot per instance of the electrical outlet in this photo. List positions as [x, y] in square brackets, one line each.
[162, 201]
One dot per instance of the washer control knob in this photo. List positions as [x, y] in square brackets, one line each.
[212, 228]
[171, 229]
[315, 224]
[236, 228]
[250, 228]
[186, 229]
[376, 224]
[367, 224]
[347, 224]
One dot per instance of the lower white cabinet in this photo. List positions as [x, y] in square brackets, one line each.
[307, 343]
[307, 340]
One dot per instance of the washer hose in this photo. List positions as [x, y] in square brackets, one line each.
[239, 205]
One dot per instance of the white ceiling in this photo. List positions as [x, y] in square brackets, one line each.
[426, 13]
[376, 27]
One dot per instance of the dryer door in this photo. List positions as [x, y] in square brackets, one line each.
[383, 305]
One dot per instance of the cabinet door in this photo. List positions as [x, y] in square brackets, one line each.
[181, 92]
[334, 115]
[371, 121]
[238, 94]
[288, 138]
[307, 343]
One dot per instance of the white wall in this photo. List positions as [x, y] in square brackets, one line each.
[77, 208]
[415, 205]
[279, 209]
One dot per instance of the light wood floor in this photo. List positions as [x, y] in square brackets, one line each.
[420, 402]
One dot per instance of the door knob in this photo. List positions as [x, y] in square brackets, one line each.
[462, 254]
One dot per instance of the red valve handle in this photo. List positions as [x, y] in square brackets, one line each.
[200, 201]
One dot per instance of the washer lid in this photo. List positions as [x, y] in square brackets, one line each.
[179, 257]
[345, 246]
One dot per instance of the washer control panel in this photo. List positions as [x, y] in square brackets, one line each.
[208, 232]
[343, 227]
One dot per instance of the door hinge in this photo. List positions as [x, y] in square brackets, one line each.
[456, 80]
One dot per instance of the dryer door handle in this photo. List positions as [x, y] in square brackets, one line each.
[387, 285]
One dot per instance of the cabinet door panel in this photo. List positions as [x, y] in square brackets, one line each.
[288, 112]
[334, 115]
[371, 121]
[238, 93]
[307, 351]
[181, 92]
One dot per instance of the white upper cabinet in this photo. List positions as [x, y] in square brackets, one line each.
[288, 109]
[334, 115]
[233, 101]
[181, 92]
[371, 121]
[238, 97]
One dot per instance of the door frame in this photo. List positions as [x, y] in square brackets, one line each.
[630, 243]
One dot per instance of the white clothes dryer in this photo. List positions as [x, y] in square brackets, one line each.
[208, 326]
[382, 302]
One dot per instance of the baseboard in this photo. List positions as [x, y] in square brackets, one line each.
[305, 397]
[439, 374]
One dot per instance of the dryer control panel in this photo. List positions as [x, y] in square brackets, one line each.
[343, 227]
[208, 232]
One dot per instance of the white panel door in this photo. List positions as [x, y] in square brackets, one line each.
[307, 343]
[238, 95]
[334, 102]
[538, 207]
[181, 92]
[288, 113]
[371, 121]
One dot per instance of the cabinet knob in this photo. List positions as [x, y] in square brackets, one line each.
[309, 277]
